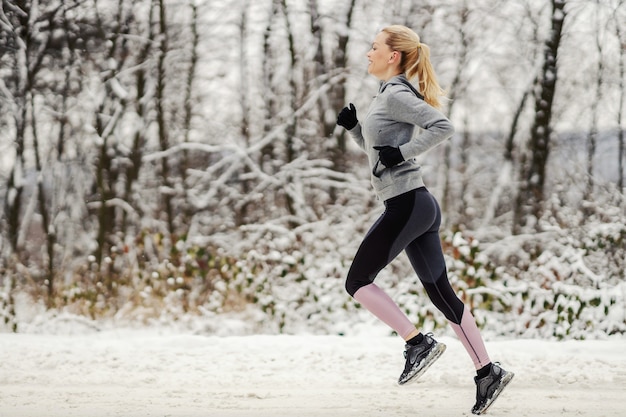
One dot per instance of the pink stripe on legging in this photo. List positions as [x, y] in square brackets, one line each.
[470, 337]
[382, 306]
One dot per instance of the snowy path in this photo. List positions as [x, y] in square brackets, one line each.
[142, 373]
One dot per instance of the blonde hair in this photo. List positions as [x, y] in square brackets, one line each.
[415, 61]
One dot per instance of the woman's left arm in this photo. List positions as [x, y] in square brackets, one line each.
[406, 107]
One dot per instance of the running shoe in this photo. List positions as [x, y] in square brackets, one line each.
[489, 387]
[419, 358]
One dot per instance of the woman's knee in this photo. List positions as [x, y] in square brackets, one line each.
[353, 284]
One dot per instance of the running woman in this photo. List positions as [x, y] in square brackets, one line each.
[412, 216]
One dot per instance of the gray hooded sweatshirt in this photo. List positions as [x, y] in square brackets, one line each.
[391, 120]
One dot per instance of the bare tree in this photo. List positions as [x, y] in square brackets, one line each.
[141, 108]
[14, 54]
[618, 17]
[499, 200]
[109, 112]
[592, 135]
[318, 66]
[45, 40]
[190, 83]
[161, 115]
[338, 97]
[31, 29]
[457, 89]
[244, 102]
[530, 197]
[16, 28]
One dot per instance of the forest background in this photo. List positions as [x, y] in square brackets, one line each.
[178, 161]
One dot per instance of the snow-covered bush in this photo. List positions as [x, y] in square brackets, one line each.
[296, 280]
[559, 284]
[566, 288]
[562, 283]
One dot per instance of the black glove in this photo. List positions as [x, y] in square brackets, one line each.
[389, 156]
[347, 117]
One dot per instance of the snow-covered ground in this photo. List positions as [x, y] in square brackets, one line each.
[150, 372]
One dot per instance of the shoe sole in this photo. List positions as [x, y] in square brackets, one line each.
[433, 355]
[503, 383]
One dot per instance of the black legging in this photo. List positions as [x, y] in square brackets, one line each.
[411, 223]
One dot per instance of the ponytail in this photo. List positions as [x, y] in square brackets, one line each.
[415, 62]
[425, 73]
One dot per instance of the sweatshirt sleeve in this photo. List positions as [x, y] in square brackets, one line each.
[357, 135]
[406, 107]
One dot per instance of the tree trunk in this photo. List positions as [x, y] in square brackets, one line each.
[161, 117]
[269, 98]
[340, 60]
[244, 126]
[592, 136]
[457, 88]
[139, 136]
[620, 113]
[46, 226]
[21, 38]
[530, 198]
[188, 109]
[107, 116]
[292, 124]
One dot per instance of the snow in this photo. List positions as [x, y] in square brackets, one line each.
[86, 371]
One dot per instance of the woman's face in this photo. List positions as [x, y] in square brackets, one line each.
[381, 58]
